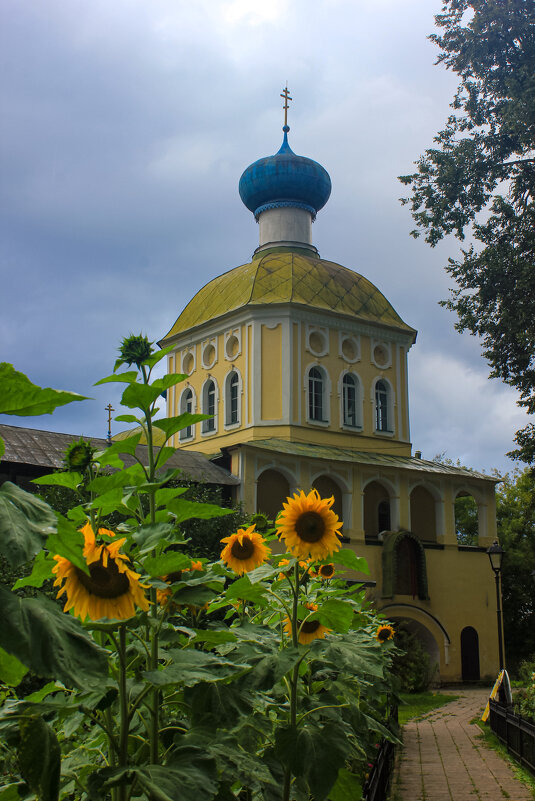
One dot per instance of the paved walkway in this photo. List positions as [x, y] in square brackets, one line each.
[443, 760]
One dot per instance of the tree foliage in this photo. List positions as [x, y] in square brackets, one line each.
[479, 179]
[515, 508]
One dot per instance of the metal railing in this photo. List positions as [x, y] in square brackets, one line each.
[515, 731]
[378, 781]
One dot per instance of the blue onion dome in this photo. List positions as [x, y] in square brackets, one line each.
[285, 179]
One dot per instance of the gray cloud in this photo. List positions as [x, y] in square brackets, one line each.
[126, 126]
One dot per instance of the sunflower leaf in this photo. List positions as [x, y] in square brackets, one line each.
[41, 571]
[315, 753]
[269, 669]
[217, 705]
[167, 563]
[69, 480]
[127, 445]
[49, 642]
[170, 425]
[262, 572]
[335, 614]
[243, 589]
[25, 522]
[68, 542]
[190, 775]
[39, 757]
[189, 667]
[190, 510]
[128, 377]
[154, 358]
[347, 787]
[150, 536]
[140, 396]
[19, 396]
[12, 671]
[348, 558]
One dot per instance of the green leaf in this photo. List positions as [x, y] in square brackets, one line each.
[169, 380]
[128, 377]
[349, 559]
[70, 480]
[41, 571]
[133, 476]
[140, 396]
[243, 589]
[127, 445]
[190, 510]
[189, 667]
[214, 636]
[150, 536]
[170, 425]
[217, 705]
[127, 418]
[315, 753]
[167, 563]
[11, 670]
[49, 642]
[19, 396]
[346, 788]
[25, 522]
[270, 669]
[68, 542]
[190, 775]
[39, 757]
[335, 614]
[163, 496]
[152, 360]
[13, 792]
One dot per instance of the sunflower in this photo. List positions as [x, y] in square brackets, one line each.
[309, 526]
[309, 629]
[111, 590]
[384, 633]
[325, 571]
[244, 550]
[284, 562]
[162, 596]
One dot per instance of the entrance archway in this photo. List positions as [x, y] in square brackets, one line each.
[272, 490]
[470, 654]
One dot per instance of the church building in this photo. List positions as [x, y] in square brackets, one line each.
[302, 365]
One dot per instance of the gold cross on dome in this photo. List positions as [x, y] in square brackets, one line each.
[286, 95]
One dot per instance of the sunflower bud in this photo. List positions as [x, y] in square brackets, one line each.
[78, 456]
[134, 350]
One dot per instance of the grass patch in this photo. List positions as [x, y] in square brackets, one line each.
[417, 704]
[493, 742]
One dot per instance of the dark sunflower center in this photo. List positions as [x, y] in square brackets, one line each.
[172, 577]
[327, 571]
[310, 626]
[104, 582]
[384, 634]
[243, 550]
[310, 526]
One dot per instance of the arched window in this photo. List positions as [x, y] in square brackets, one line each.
[381, 406]
[316, 390]
[349, 400]
[466, 519]
[231, 399]
[407, 568]
[376, 509]
[208, 406]
[186, 407]
[327, 488]
[272, 490]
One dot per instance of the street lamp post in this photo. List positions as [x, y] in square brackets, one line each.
[495, 554]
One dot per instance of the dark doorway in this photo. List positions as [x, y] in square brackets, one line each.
[470, 654]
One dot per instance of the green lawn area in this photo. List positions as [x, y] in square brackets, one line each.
[416, 704]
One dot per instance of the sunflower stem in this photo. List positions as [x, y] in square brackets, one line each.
[295, 678]
[123, 702]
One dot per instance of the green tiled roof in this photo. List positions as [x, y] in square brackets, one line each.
[334, 454]
[284, 275]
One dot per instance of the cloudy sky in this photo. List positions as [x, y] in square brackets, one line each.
[125, 128]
